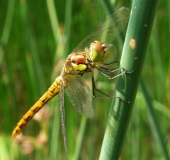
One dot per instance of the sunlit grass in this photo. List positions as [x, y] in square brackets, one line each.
[33, 47]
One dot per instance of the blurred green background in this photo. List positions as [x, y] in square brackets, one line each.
[35, 39]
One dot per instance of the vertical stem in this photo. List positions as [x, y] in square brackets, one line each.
[136, 42]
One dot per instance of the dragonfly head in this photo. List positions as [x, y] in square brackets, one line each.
[98, 51]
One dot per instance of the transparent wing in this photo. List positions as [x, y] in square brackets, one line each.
[108, 30]
[63, 121]
[79, 95]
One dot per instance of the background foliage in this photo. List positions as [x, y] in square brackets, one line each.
[33, 47]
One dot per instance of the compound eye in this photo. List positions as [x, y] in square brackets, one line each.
[97, 51]
[97, 46]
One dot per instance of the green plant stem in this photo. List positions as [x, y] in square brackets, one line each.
[68, 13]
[139, 29]
[7, 27]
[53, 19]
[155, 127]
[80, 138]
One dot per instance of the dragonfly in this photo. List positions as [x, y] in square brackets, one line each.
[89, 55]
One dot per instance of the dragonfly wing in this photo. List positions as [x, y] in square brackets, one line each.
[63, 121]
[79, 95]
[108, 30]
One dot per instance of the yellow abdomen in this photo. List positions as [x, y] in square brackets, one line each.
[49, 94]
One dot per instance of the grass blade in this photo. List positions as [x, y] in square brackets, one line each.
[154, 121]
[138, 33]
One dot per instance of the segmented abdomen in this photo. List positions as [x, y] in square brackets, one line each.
[49, 94]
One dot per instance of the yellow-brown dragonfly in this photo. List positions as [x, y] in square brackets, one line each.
[90, 54]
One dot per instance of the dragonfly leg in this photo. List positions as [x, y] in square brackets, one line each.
[107, 64]
[128, 72]
[105, 95]
[108, 70]
[103, 70]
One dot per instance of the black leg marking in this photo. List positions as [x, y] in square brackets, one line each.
[105, 95]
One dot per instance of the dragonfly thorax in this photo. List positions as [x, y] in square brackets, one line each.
[75, 65]
[78, 62]
[98, 51]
